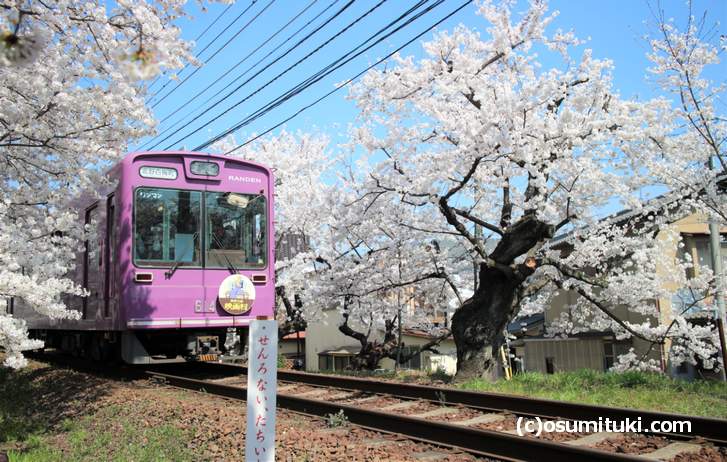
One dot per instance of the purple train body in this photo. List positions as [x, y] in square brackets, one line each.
[182, 253]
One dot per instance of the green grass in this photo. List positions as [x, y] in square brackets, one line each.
[43, 417]
[638, 390]
[123, 441]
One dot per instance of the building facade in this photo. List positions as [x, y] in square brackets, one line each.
[533, 350]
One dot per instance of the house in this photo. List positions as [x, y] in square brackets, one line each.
[532, 350]
[292, 346]
[327, 349]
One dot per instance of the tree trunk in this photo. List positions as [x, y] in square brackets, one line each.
[373, 350]
[290, 321]
[478, 324]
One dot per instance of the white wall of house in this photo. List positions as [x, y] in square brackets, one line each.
[289, 347]
[322, 334]
[447, 349]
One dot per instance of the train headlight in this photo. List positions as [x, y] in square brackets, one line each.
[205, 168]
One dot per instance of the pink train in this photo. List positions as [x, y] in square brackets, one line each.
[184, 250]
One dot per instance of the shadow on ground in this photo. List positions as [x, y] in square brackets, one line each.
[39, 399]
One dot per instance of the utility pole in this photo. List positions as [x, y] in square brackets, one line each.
[475, 265]
[398, 317]
[398, 341]
[715, 247]
[715, 250]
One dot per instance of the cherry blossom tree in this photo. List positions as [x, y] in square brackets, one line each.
[686, 65]
[479, 135]
[300, 163]
[381, 277]
[71, 98]
[682, 61]
[340, 266]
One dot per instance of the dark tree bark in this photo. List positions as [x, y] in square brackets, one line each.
[293, 316]
[373, 351]
[478, 325]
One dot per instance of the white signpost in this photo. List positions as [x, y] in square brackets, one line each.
[262, 376]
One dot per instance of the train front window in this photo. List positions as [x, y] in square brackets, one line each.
[235, 230]
[167, 227]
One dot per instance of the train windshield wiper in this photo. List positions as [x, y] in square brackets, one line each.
[230, 267]
[178, 261]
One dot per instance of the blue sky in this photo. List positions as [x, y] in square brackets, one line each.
[614, 29]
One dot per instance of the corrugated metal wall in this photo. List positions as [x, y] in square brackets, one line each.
[567, 354]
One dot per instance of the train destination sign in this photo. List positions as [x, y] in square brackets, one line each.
[236, 294]
[161, 173]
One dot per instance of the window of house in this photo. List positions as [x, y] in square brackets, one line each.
[683, 368]
[612, 350]
[698, 247]
[8, 303]
[341, 362]
[325, 363]
[328, 362]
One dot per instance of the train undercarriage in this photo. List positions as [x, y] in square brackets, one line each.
[141, 346]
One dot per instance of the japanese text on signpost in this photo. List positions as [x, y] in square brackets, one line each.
[261, 389]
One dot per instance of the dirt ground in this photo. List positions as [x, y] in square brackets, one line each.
[213, 428]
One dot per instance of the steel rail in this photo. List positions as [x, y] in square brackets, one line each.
[483, 443]
[711, 429]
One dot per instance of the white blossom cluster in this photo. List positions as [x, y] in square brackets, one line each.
[633, 362]
[450, 154]
[480, 133]
[70, 101]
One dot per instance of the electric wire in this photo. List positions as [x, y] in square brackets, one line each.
[327, 70]
[230, 93]
[240, 62]
[199, 36]
[211, 57]
[345, 29]
[199, 53]
[304, 108]
[249, 69]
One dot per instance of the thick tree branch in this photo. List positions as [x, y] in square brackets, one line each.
[451, 217]
[484, 224]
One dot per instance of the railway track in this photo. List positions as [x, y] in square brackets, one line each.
[470, 421]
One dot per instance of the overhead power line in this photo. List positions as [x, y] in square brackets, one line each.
[281, 56]
[240, 62]
[344, 84]
[327, 70]
[211, 57]
[199, 53]
[199, 36]
[307, 56]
